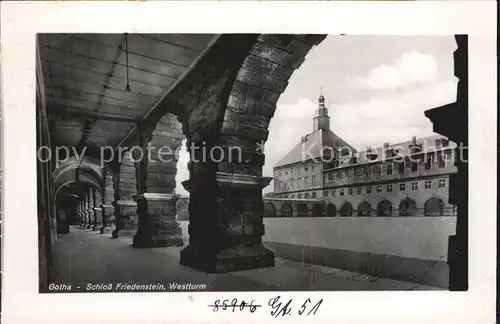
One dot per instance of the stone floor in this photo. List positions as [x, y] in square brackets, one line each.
[84, 257]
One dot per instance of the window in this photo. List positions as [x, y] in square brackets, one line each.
[286, 172]
[445, 142]
[325, 193]
[442, 183]
[401, 167]
[293, 196]
[281, 174]
[299, 196]
[306, 181]
[414, 166]
[402, 187]
[305, 169]
[389, 188]
[349, 191]
[330, 176]
[341, 192]
[312, 167]
[333, 193]
[313, 179]
[378, 170]
[442, 162]
[359, 173]
[293, 182]
[341, 175]
[369, 170]
[358, 191]
[427, 184]
[389, 169]
[314, 195]
[379, 188]
[334, 176]
[351, 174]
[368, 190]
[428, 163]
[414, 185]
[299, 180]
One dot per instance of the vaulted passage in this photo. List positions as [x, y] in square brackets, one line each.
[115, 110]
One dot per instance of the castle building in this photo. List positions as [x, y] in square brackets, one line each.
[403, 179]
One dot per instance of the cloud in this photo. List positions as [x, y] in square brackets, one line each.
[410, 68]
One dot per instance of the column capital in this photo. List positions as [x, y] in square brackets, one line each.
[232, 180]
[150, 196]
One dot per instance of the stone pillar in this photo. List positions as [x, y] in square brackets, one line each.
[88, 208]
[452, 121]
[97, 211]
[107, 208]
[156, 201]
[125, 208]
[226, 211]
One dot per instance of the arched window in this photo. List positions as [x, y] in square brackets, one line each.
[434, 207]
[270, 210]
[384, 208]
[302, 210]
[407, 207]
[182, 211]
[318, 210]
[306, 196]
[331, 210]
[286, 210]
[346, 209]
[364, 209]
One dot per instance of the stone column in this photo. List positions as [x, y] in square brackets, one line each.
[226, 211]
[156, 201]
[90, 210]
[97, 211]
[452, 121]
[125, 208]
[107, 208]
[87, 210]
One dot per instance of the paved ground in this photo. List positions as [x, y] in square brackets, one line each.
[83, 257]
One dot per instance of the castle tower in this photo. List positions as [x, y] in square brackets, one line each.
[321, 120]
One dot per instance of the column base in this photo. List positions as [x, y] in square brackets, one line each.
[148, 241]
[106, 230]
[124, 232]
[234, 259]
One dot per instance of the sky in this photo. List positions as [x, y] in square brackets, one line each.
[376, 89]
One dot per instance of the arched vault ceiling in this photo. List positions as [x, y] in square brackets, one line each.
[85, 77]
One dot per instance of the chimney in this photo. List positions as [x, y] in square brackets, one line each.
[414, 140]
[386, 145]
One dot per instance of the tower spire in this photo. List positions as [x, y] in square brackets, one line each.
[321, 119]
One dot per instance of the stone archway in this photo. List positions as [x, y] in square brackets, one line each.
[331, 210]
[270, 210]
[364, 209]
[346, 209]
[286, 210]
[302, 210]
[407, 207]
[434, 207]
[318, 210]
[384, 208]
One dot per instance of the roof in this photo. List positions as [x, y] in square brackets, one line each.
[311, 147]
[428, 145]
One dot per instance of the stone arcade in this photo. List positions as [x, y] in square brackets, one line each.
[131, 91]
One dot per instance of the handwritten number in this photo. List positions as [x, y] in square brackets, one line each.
[253, 307]
[303, 307]
[216, 305]
[233, 303]
[224, 304]
[316, 307]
